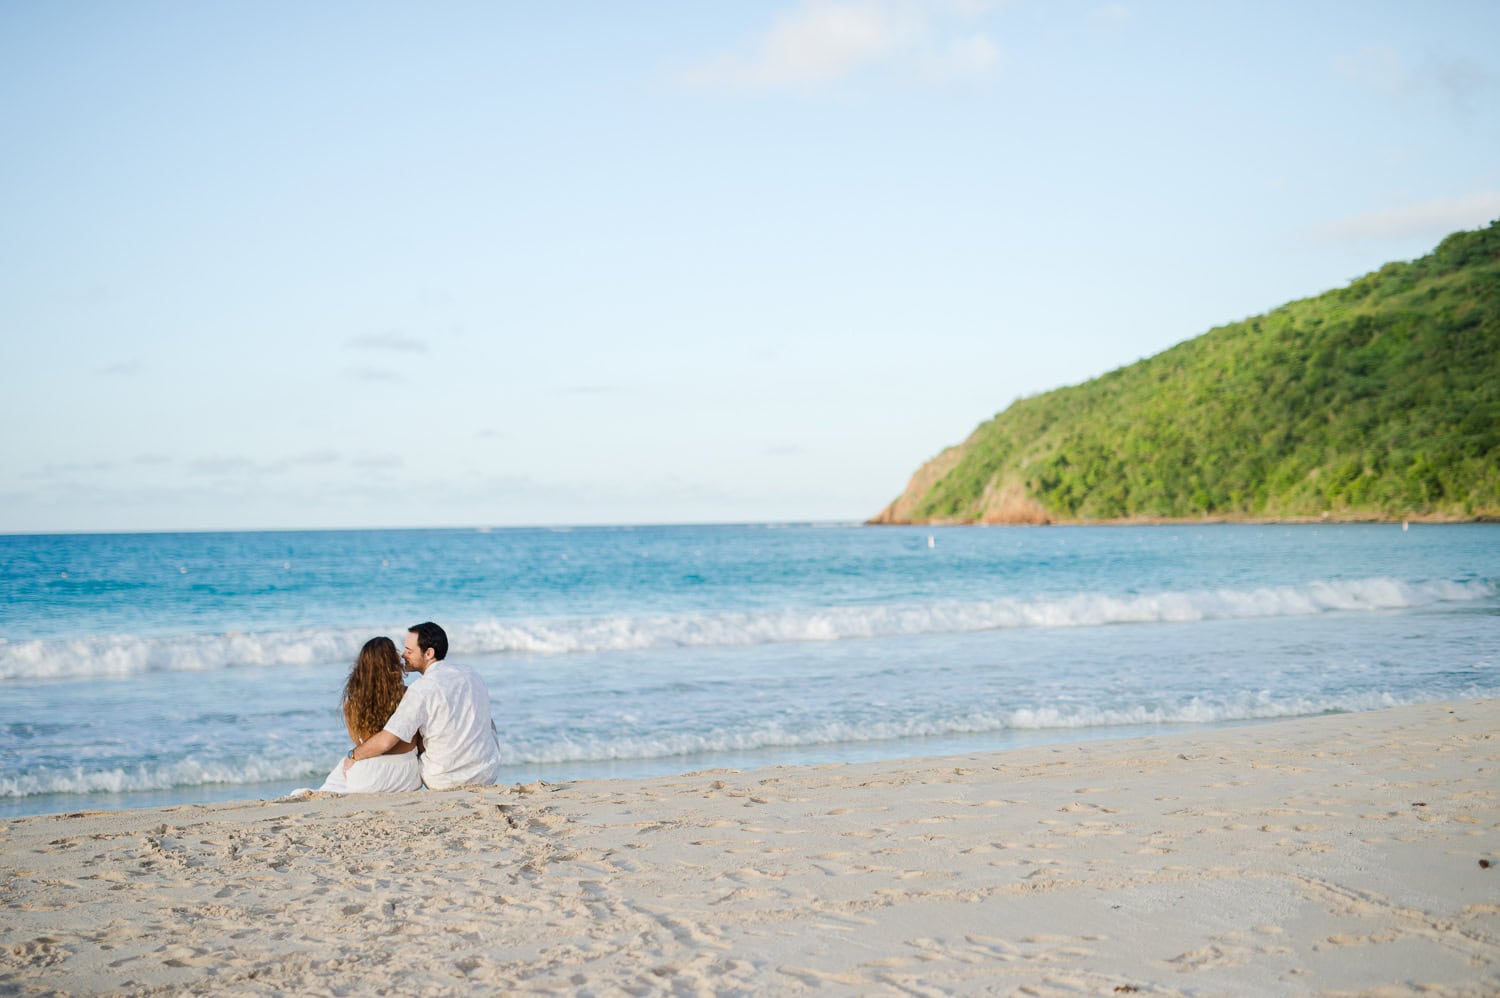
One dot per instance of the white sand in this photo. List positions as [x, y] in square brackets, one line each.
[1336, 855]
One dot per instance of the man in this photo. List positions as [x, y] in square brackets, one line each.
[449, 706]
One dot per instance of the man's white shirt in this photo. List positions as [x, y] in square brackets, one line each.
[450, 706]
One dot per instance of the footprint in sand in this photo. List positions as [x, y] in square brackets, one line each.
[43, 951]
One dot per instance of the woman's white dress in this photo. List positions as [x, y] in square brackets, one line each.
[381, 774]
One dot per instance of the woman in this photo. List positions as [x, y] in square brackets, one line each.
[371, 694]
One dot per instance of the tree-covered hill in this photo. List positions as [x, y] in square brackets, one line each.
[1377, 400]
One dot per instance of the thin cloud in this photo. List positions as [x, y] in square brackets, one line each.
[1375, 67]
[972, 57]
[120, 369]
[382, 461]
[1460, 81]
[219, 464]
[77, 468]
[388, 341]
[309, 459]
[972, 7]
[1381, 69]
[1111, 15]
[1429, 219]
[365, 372]
[820, 42]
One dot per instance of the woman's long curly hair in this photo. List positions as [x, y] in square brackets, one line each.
[374, 688]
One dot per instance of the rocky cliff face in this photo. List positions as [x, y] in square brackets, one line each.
[926, 477]
[1003, 502]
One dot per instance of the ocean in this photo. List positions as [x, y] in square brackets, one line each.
[147, 669]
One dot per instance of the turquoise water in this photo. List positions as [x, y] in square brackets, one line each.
[157, 668]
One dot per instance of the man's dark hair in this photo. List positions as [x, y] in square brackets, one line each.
[430, 635]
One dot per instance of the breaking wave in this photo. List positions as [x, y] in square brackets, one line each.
[126, 655]
[161, 776]
[582, 751]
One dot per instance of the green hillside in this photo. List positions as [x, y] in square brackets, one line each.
[1377, 400]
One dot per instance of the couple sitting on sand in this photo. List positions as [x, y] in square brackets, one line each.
[436, 732]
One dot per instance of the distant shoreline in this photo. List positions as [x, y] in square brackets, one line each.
[1179, 521]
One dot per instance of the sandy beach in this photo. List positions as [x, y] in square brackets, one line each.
[1345, 854]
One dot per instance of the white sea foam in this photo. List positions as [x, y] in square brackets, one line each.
[125, 655]
[771, 734]
[129, 655]
[162, 776]
[765, 734]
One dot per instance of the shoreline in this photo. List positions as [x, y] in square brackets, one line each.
[1208, 520]
[1344, 853]
[636, 770]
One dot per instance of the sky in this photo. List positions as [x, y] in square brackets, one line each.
[274, 265]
